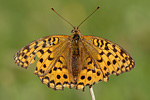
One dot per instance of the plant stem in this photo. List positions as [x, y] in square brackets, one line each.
[92, 93]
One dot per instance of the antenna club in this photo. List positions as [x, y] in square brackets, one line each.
[98, 7]
[52, 8]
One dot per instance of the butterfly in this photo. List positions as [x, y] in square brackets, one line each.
[74, 61]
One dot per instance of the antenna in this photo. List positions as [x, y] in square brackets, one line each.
[81, 22]
[88, 16]
[62, 17]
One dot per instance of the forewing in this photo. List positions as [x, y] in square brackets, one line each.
[26, 55]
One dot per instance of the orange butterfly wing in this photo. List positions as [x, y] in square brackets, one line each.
[53, 65]
[101, 58]
[60, 74]
[26, 55]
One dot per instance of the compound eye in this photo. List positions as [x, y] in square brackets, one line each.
[72, 31]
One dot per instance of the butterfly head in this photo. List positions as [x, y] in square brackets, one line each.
[76, 35]
[75, 30]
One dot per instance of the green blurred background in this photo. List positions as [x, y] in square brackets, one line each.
[125, 22]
